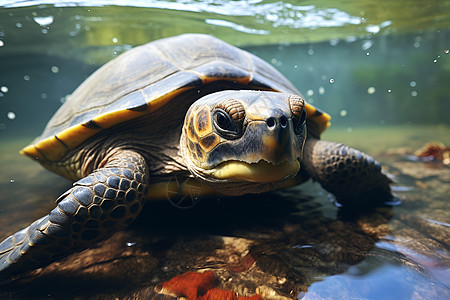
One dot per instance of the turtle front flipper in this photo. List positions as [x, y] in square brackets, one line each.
[355, 178]
[98, 205]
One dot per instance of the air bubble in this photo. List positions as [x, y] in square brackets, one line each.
[11, 115]
[310, 51]
[44, 21]
[321, 90]
[2, 43]
[44, 96]
[366, 45]
[115, 40]
[343, 113]
[435, 61]
[373, 29]
[351, 39]
[55, 69]
[414, 93]
[310, 93]
[12, 181]
[389, 90]
[331, 80]
[371, 90]
[4, 89]
[412, 84]
[19, 25]
[26, 77]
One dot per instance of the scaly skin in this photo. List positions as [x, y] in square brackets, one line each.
[98, 205]
[355, 178]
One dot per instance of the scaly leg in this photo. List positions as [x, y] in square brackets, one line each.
[98, 205]
[353, 177]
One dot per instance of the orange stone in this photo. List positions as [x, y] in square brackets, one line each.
[198, 286]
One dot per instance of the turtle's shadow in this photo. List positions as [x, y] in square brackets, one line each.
[288, 231]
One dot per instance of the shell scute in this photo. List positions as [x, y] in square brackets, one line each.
[161, 92]
[91, 124]
[224, 71]
[83, 117]
[129, 101]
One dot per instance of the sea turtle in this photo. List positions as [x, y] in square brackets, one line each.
[190, 107]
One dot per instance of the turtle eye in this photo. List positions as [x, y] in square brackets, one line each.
[225, 125]
[223, 120]
[299, 122]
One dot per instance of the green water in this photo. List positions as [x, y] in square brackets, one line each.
[380, 70]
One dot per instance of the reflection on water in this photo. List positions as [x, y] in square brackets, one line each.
[381, 72]
[392, 279]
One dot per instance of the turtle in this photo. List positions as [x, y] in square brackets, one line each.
[176, 113]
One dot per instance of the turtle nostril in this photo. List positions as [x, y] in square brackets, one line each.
[283, 121]
[271, 122]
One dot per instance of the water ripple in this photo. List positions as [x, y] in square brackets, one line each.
[276, 13]
[437, 222]
[235, 26]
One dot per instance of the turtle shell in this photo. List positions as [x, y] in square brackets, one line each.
[144, 79]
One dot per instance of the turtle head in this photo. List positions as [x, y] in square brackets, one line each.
[250, 137]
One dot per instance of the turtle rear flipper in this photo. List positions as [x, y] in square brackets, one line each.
[98, 205]
[355, 178]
